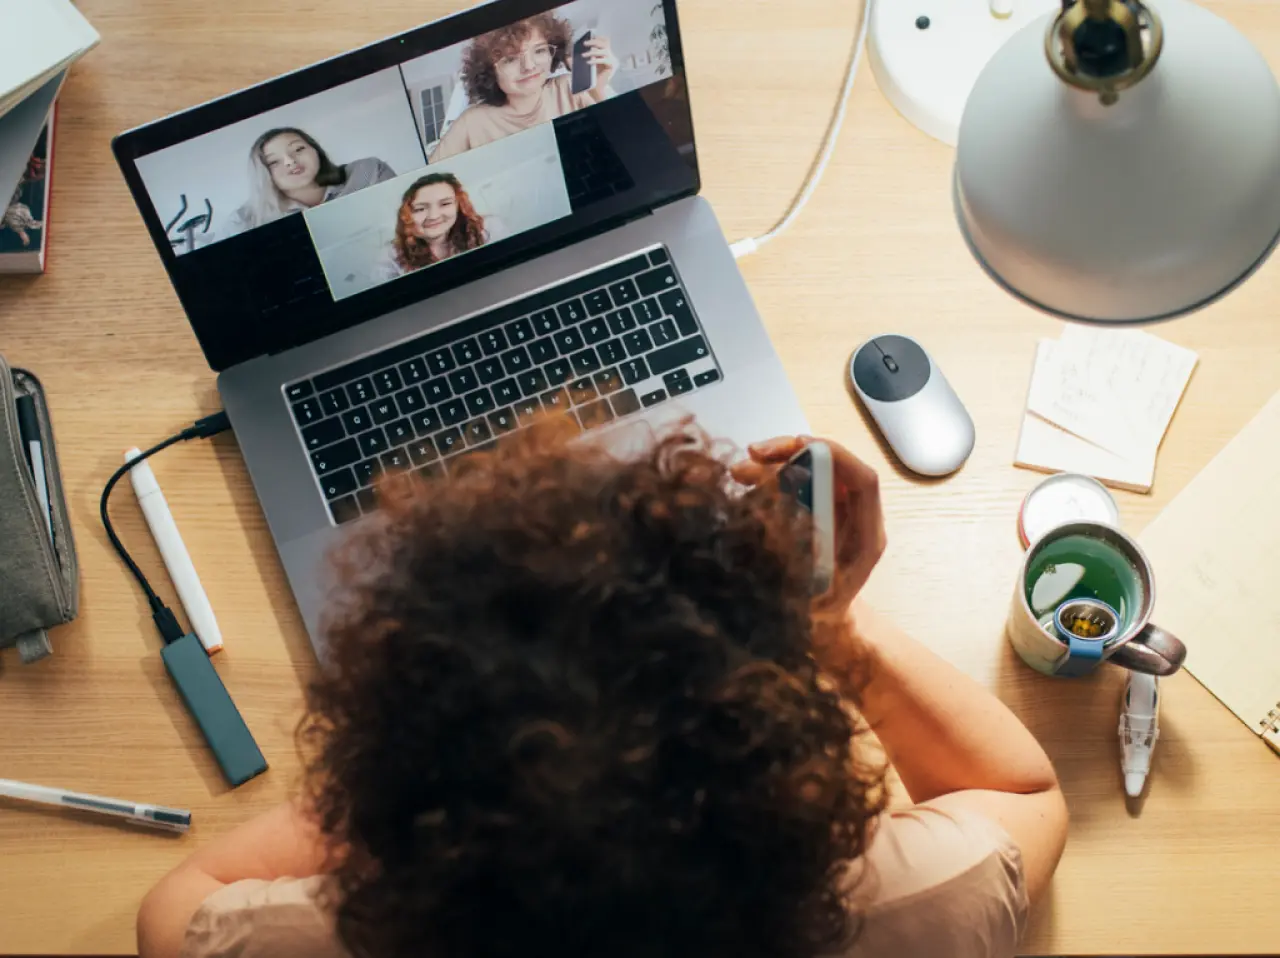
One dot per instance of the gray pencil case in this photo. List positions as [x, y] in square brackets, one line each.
[39, 575]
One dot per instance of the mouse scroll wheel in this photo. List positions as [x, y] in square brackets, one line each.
[890, 364]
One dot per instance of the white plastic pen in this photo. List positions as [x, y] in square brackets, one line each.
[156, 816]
[174, 552]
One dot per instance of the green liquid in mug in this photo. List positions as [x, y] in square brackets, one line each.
[1082, 567]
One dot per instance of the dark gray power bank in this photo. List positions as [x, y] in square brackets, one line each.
[207, 700]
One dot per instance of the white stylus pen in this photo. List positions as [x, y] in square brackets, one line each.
[175, 555]
[156, 816]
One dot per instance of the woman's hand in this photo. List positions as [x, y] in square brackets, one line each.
[860, 537]
[600, 55]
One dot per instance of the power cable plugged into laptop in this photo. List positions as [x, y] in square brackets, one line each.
[747, 246]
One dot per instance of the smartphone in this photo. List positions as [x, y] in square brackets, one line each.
[809, 478]
[584, 73]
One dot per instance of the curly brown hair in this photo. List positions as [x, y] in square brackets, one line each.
[413, 252]
[568, 707]
[480, 60]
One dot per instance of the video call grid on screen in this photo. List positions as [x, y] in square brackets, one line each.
[384, 131]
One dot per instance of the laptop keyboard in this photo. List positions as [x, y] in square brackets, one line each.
[600, 347]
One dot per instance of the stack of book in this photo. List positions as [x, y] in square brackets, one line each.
[47, 37]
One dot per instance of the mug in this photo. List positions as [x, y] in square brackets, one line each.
[1091, 573]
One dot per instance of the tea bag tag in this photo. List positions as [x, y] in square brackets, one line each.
[1085, 625]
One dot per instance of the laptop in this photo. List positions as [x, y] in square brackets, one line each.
[400, 254]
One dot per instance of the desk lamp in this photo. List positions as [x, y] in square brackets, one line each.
[1118, 161]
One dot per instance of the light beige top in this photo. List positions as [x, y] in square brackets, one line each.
[483, 123]
[931, 884]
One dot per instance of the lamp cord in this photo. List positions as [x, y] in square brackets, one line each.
[745, 247]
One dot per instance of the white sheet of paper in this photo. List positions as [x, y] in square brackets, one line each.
[1047, 448]
[1117, 388]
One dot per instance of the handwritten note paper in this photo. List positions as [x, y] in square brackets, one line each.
[1116, 388]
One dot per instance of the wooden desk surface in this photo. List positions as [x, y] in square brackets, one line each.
[1190, 870]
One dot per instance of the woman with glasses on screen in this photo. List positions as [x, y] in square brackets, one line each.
[517, 77]
[289, 171]
[435, 220]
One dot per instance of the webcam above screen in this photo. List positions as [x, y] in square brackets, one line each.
[325, 197]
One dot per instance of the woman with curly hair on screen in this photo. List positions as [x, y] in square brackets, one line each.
[507, 74]
[435, 220]
[577, 705]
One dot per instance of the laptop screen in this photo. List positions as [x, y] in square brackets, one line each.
[324, 197]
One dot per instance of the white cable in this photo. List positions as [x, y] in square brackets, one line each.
[745, 247]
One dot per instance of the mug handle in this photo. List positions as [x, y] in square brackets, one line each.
[1152, 651]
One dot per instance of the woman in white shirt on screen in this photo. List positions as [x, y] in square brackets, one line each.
[289, 171]
[435, 220]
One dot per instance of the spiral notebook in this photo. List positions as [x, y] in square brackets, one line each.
[1216, 554]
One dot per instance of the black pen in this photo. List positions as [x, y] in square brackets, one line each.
[29, 432]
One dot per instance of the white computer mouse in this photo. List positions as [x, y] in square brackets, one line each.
[912, 404]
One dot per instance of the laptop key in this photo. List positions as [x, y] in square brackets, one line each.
[581, 391]
[659, 256]
[490, 370]
[397, 460]
[345, 509]
[585, 362]
[558, 372]
[624, 292]
[477, 431]
[571, 312]
[568, 341]
[677, 308]
[368, 471]
[323, 433]
[480, 402]
[426, 422]
[466, 351]
[335, 457]
[607, 381]
[653, 398]
[612, 351]
[449, 441]
[298, 391]
[516, 360]
[681, 354]
[595, 330]
[532, 382]
[504, 420]
[634, 371]
[360, 391]
[506, 392]
[440, 362]
[637, 342]
[368, 500]
[545, 322]
[373, 442]
[399, 432]
[557, 400]
[334, 401]
[356, 420]
[453, 412]
[437, 391]
[519, 331]
[463, 380]
[624, 403]
[527, 411]
[648, 311]
[383, 410]
[621, 321]
[656, 280]
[595, 414]
[542, 350]
[430, 471]
[677, 382]
[307, 412]
[493, 341]
[597, 302]
[706, 378]
[387, 381]
[414, 371]
[339, 482]
[664, 332]
[410, 401]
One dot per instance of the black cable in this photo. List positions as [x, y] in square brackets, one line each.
[161, 614]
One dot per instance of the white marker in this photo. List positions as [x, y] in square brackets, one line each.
[156, 816]
[1138, 730]
[174, 553]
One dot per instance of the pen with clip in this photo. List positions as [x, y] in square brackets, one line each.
[33, 446]
[155, 816]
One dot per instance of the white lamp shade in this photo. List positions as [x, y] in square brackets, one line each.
[1133, 212]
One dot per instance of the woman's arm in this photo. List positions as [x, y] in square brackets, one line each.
[954, 744]
[277, 844]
